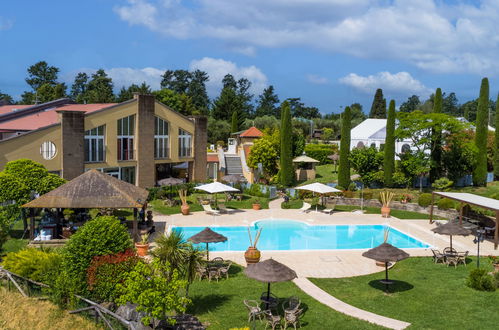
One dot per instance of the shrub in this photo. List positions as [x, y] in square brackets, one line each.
[32, 263]
[101, 236]
[105, 272]
[368, 194]
[400, 180]
[352, 186]
[480, 280]
[348, 194]
[321, 152]
[442, 184]
[445, 204]
[424, 200]
[256, 190]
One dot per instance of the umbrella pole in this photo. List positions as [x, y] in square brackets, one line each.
[451, 243]
[268, 297]
[207, 253]
[386, 277]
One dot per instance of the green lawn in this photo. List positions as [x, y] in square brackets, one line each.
[323, 174]
[221, 304]
[428, 295]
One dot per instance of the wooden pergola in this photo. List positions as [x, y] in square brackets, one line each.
[471, 199]
[92, 189]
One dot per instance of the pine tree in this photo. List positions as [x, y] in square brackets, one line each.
[79, 87]
[481, 131]
[496, 150]
[389, 157]
[378, 108]
[286, 172]
[344, 170]
[436, 143]
[100, 88]
[235, 123]
[267, 103]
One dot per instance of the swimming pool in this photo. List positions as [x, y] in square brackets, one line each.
[285, 235]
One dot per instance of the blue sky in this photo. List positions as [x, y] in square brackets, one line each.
[328, 52]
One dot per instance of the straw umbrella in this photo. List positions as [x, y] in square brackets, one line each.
[450, 229]
[269, 271]
[386, 253]
[207, 236]
[170, 182]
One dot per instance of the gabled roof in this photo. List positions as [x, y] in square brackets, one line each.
[212, 158]
[367, 128]
[12, 108]
[251, 132]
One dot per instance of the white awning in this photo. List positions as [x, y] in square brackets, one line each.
[318, 188]
[216, 187]
[485, 202]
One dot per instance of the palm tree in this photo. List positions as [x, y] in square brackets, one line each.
[194, 259]
[171, 249]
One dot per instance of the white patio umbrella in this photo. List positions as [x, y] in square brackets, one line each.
[319, 188]
[216, 187]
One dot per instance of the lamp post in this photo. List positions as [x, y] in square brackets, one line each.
[479, 237]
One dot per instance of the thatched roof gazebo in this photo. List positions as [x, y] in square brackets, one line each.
[92, 189]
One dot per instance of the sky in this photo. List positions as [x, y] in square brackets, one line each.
[331, 53]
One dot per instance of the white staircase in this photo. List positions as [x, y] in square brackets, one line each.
[233, 164]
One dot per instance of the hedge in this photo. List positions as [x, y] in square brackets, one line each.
[321, 152]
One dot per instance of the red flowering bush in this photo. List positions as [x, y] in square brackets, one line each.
[105, 272]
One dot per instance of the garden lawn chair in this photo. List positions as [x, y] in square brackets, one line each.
[452, 259]
[292, 318]
[209, 210]
[224, 271]
[212, 273]
[201, 272]
[254, 309]
[306, 207]
[272, 320]
[461, 257]
[329, 207]
[438, 256]
[291, 304]
[223, 209]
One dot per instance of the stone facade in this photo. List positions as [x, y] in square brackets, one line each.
[72, 143]
[146, 170]
[199, 148]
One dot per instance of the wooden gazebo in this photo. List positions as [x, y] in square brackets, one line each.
[92, 189]
[475, 200]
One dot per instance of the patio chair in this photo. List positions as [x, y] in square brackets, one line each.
[223, 209]
[224, 271]
[438, 256]
[217, 260]
[461, 257]
[254, 309]
[291, 304]
[452, 259]
[329, 207]
[305, 208]
[273, 320]
[201, 272]
[292, 318]
[208, 210]
[212, 273]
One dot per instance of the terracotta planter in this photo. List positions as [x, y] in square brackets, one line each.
[256, 206]
[252, 255]
[142, 249]
[185, 209]
[385, 212]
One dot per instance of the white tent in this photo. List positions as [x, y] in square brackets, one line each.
[216, 187]
[319, 188]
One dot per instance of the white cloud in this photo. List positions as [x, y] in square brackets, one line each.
[316, 79]
[431, 34]
[217, 68]
[6, 24]
[400, 83]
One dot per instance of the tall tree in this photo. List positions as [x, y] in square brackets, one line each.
[197, 91]
[178, 102]
[358, 115]
[177, 81]
[286, 172]
[378, 108]
[227, 102]
[5, 99]
[41, 73]
[389, 158]
[411, 104]
[299, 110]
[267, 103]
[127, 93]
[235, 123]
[48, 92]
[450, 105]
[344, 170]
[480, 172]
[496, 148]
[436, 137]
[100, 88]
[79, 87]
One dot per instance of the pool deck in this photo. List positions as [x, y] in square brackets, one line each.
[324, 263]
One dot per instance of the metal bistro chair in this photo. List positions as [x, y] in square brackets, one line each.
[292, 318]
[254, 309]
[461, 257]
[438, 256]
[273, 320]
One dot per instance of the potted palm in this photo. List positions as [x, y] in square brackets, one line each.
[385, 198]
[252, 254]
[182, 193]
[142, 246]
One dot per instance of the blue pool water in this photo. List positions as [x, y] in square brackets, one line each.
[295, 235]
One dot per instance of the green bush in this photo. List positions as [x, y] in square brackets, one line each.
[348, 194]
[32, 263]
[443, 184]
[424, 200]
[445, 204]
[480, 280]
[321, 152]
[368, 194]
[256, 190]
[101, 236]
[400, 180]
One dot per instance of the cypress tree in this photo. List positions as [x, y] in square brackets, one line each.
[496, 150]
[436, 141]
[344, 169]
[235, 122]
[286, 172]
[481, 130]
[378, 108]
[389, 159]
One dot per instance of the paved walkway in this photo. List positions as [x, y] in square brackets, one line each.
[338, 305]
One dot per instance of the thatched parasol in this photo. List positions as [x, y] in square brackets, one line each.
[207, 236]
[233, 178]
[170, 182]
[386, 253]
[270, 271]
[451, 228]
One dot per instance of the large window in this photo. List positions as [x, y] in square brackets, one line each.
[161, 139]
[94, 144]
[126, 130]
[184, 143]
[128, 174]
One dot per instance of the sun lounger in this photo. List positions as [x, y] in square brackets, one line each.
[223, 209]
[306, 207]
[329, 207]
[209, 210]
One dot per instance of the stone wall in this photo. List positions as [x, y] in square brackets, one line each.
[72, 143]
